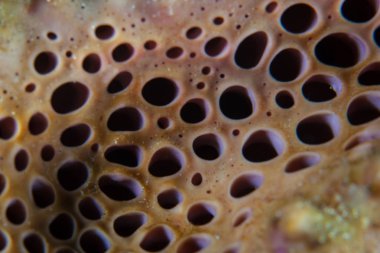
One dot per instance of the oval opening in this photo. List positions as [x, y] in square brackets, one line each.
[301, 162]
[166, 162]
[245, 184]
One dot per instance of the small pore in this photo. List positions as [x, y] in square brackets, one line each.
[127, 224]
[215, 46]
[72, 175]
[92, 63]
[321, 88]
[75, 135]
[193, 32]
[287, 65]
[104, 32]
[166, 162]
[42, 193]
[174, 52]
[318, 129]
[235, 103]
[363, 109]
[94, 241]
[8, 126]
[245, 184]
[69, 97]
[301, 162]
[208, 146]
[370, 75]
[90, 208]
[119, 188]
[47, 153]
[169, 199]
[122, 52]
[38, 123]
[291, 21]
[127, 155]
[157, 239]
[120, 82]
[16, 212]
[194, 111]
[21, 160]
[125, 119]
[284, 99]
[45, 62]
[34, 243]
[250, 50]
[194, 244]
[201, 214]
[262, 146]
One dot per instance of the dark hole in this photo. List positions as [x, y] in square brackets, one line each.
[370, 75]
[376, 36]
[62, 227]
[193, 32]
[125, 119]
[165, 162]
[317, 129]
[47, 153]
[364, 137]
[93, 241]
[242, 218]
[76, 135]
[21, 160]
[169, 199]
[30, 88]
[3, 183]
[339, 50]
[120, 82]
[218, 20]
[33, 243]
[160, 91]
[92, 63]
[193, 244]
[127, 155]
[7, 128]
[215, 46]
[193, 111]
[291, 21]
[271, 7]
[3, 240]
[201, 85]
[69, 97]
[363, 109]
[69, 54]
[206, 70]
[72, 175]
[302, 162]
[42, 193]
[45, 62]
[250, 50]
[262, 146]
[156, 239]
[127, 224]
[37, 124]
[150, 45]
[122, 52]
[359, 11]
[16, 212]
[65, 250]
[197, 179]
[235, 103]
[163, 123]
[286, 66]
[284, 99]
[201, 214]
[319, 89]
[90, 208]
[119, 188]
[104, 32]
[51, 36]
[174, 52]
[235, 132]
[207, 146]
[245, 185]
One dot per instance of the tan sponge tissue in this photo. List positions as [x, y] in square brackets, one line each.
[189, 126]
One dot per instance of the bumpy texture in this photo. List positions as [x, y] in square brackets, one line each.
[189, 126]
